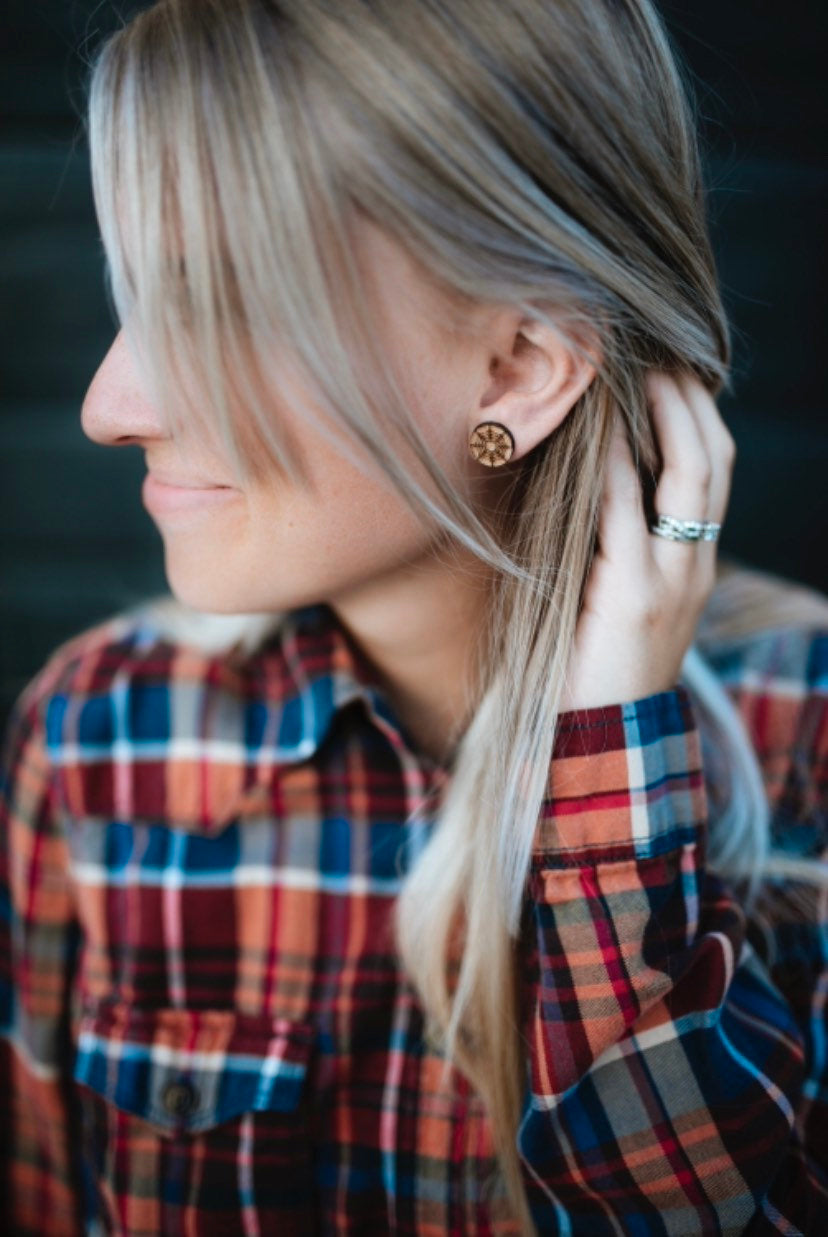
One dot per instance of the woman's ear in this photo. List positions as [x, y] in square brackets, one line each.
[535, 379]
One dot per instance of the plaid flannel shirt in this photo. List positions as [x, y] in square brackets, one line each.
[205, 1029]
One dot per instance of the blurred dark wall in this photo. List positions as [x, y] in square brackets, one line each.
[78, 543]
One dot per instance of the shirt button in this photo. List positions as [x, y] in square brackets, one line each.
[179, 1098]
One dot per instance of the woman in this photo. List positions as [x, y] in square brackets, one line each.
[444, 858]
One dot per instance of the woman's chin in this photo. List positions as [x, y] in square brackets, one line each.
[206, 584]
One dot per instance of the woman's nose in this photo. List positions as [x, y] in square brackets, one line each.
[115, 410]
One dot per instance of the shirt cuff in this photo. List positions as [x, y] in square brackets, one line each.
[625, 782]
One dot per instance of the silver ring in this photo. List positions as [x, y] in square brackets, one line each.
[685, 530]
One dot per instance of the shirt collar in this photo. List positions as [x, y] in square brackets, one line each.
[220, 762]
[311, 670]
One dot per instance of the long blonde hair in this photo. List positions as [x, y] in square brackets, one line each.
[536, 154]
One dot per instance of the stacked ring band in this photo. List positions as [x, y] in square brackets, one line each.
[685, 530]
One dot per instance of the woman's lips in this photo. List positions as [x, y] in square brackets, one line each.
[161, 498]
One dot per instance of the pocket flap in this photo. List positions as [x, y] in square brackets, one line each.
[187, 1070]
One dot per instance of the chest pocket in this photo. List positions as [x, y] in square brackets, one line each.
[185, 1071]
[197, 1110]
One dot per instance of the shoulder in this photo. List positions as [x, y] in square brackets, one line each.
[25, 765]
[137, 704]
[129, 645]
[158, 641]
[76, 663]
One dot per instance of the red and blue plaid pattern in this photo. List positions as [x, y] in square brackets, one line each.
[206, 1029]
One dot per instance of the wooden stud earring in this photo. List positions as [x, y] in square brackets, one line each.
[491, 443]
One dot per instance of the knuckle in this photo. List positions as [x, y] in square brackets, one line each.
[649, 610]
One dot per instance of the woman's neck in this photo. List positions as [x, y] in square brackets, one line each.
[420, 629]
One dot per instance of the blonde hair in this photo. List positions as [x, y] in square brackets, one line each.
[526, 153]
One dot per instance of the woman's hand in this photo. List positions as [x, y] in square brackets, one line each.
[645, 594]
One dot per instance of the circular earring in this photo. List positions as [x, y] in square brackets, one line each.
[491, 444]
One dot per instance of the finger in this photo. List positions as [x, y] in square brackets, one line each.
[684, 487]
[622, 524]
[721, 447]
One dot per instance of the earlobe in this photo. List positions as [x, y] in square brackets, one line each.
[536, 376]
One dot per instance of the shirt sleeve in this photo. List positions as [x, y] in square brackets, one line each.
[665, 1068]
[38, 1189]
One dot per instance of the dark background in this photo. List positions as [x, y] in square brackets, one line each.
[77, 542]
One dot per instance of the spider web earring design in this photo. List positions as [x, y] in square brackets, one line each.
[491, 444]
